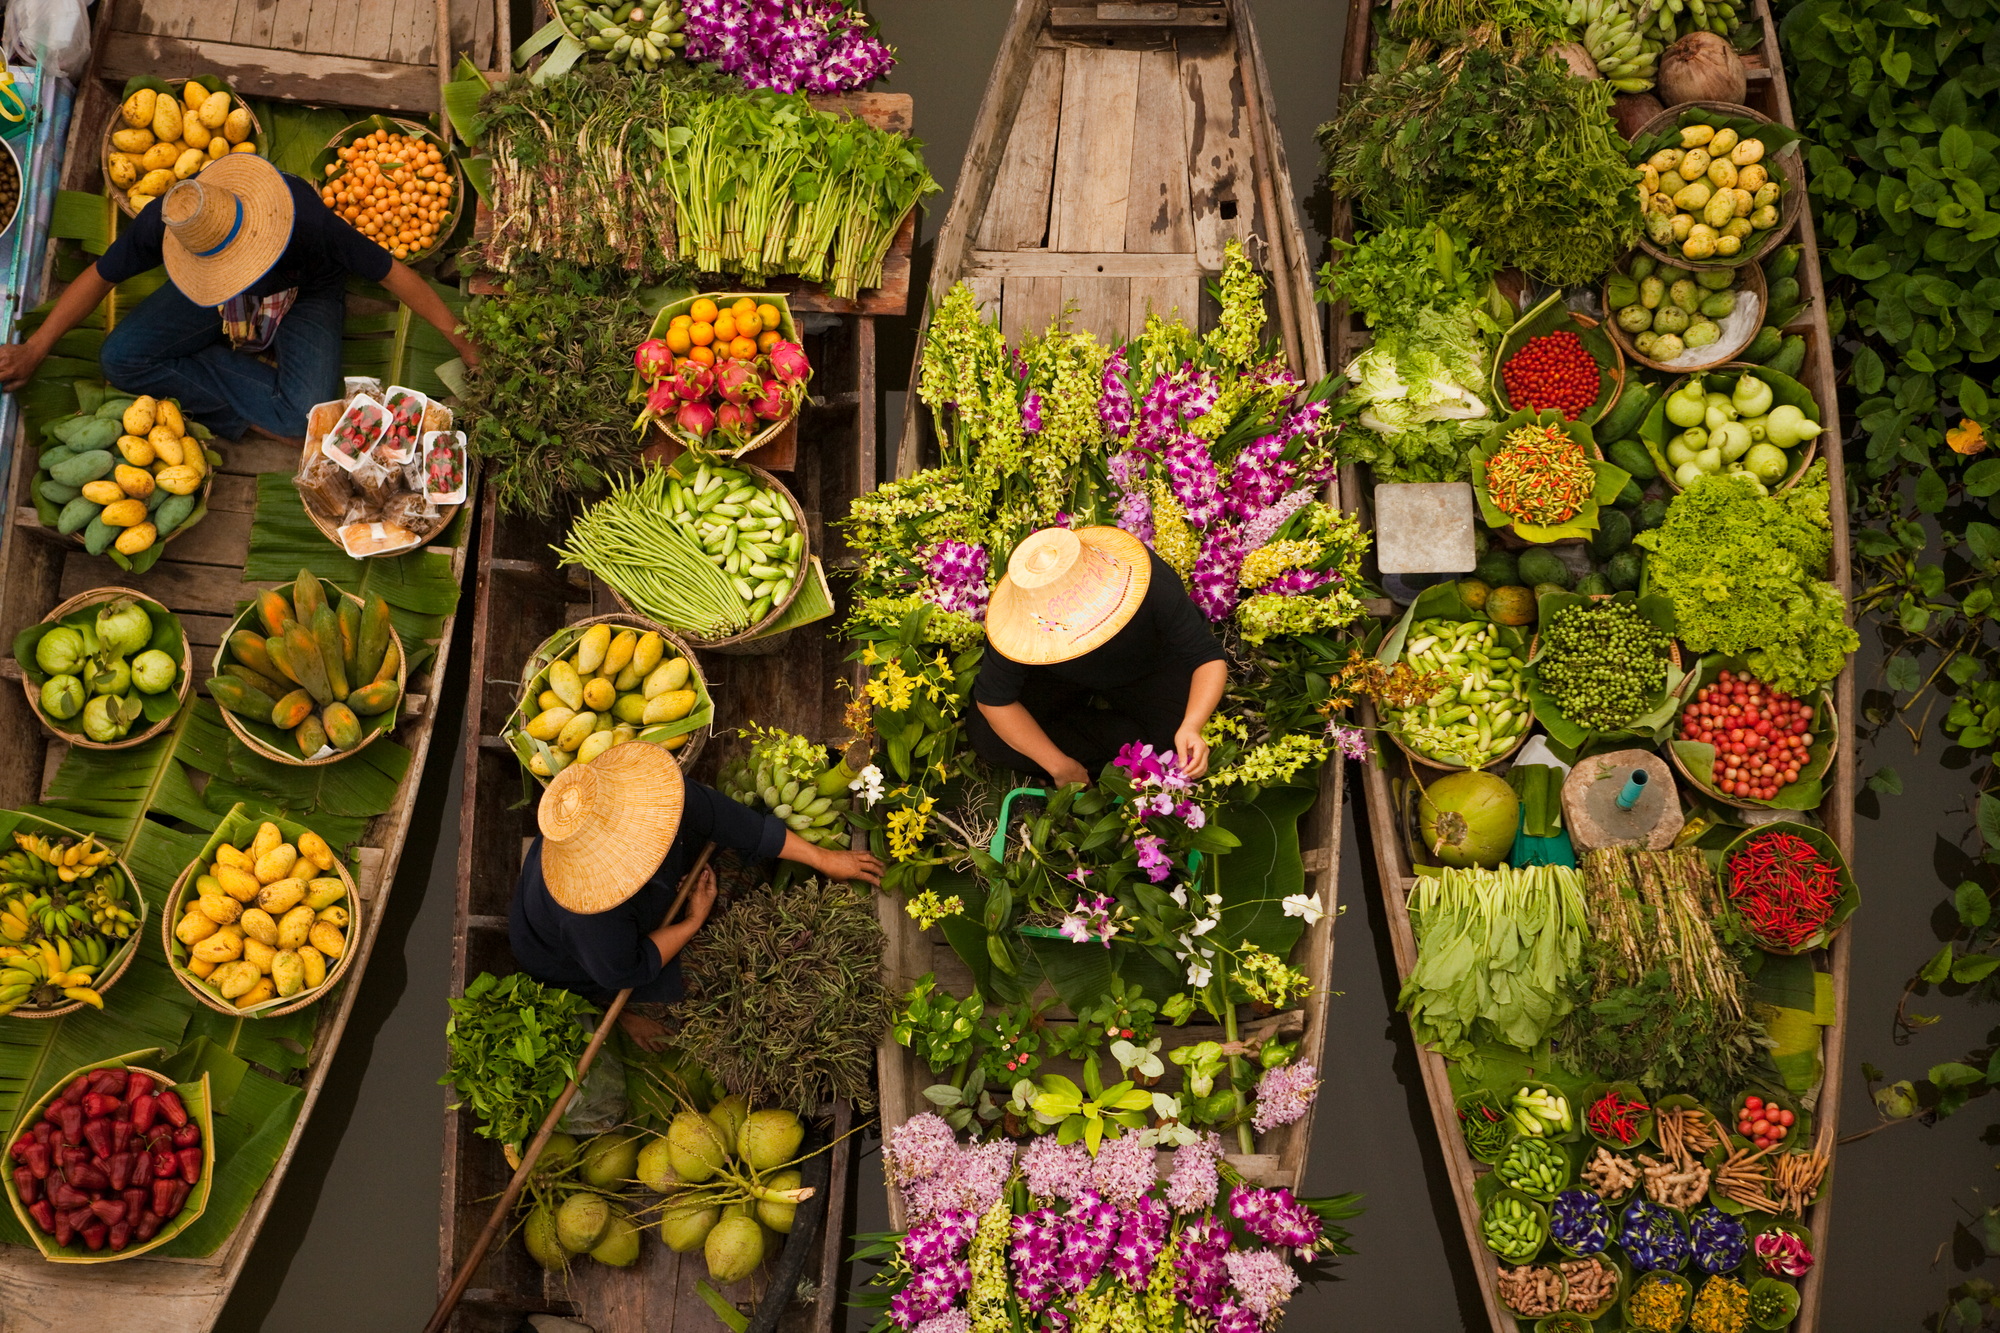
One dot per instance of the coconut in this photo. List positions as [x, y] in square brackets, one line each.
[733, 1249]
[696, 1149]
[581, 1221]
[1469, 819]
[775, 1215]
[682, 1230]
[769, 1139]
[656, 1169]
[1701, 67]
[610, 1158]
[557, 1154]
[543, 1245]
[620, 1246]
[729, 1115]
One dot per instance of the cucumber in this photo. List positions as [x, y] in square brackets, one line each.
[1626, 414]
[1791, 358]
[1762, 347]
[1631, 455]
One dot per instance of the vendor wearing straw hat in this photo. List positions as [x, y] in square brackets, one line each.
[248, 331]
[618, 835]
[1092, 643]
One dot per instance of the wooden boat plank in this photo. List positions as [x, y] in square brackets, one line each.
[1028, 306]
[1165, 297]
[1103, 306]
[1018, 218]
[1094, 137]
[1113, 16]
[1222, 201]
[1156, 214]
[1014, 264]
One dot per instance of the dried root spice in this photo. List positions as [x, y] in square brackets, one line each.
[1675, 1184]
[1532, 1290]
[1592, 1282]
[1609, 1174]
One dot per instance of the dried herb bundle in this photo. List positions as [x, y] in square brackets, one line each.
[1667, 1004]
[785, 1003]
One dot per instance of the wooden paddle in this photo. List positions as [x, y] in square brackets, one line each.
[491, 1231]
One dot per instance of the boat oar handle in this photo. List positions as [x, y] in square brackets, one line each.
[491, 1231]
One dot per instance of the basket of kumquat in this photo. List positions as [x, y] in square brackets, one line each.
[721, 373]
[395, 182]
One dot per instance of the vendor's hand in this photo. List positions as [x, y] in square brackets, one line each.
[1068, 771]
[648, 1034]
[701, 901]
[468, 351]
[18, 362]
[850, 865]
[1193, 751]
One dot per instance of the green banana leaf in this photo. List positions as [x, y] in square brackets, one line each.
[1651, 725]
[1257, 876]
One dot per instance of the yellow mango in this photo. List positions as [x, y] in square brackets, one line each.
[193, 456]
[566, 683]
[189, 162]
[200, 968]
[646, 654]
[193, 928]
[296, 928]
[575, 730]
[196, 136]
[156, 182]
[595, 744]
[599, 694]
[137, 110]
[328, 939]
[167, 412]
[133, 140]
[669, 675]
[138, 199]
[258, 925]
[244, 148]
[217, 147]
[335, 915]
[324, 892]
[314, 963]
[629, 708]
[267, 839]
[219, 948]
[214, 112]
[219, 908]
[669, 707]
[288, 974]
[236, 126]
[181, 480]
[281, 896]
[234, 932]
[124, 170]
[134, 481]
[546, 726]
[226, 855]
[126, 513]
[103, 492]
[137, 537]
[258, 954]
[193, 95]
[159, 157]
[277, 863]
[546, 700]
[591, 648]
[166, 119]
[623, 645]
[136, 450]
[313, 848]
[257, 994]
[238, 980]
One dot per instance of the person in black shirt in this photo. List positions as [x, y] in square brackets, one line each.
[617, 837]
[1092, 643]
[247, 334]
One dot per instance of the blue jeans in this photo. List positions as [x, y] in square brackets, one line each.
[172, 348]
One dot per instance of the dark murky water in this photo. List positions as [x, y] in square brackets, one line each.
[353, 1241]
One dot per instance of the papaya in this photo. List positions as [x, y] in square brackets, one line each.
[241, 698]
[274, 611]
[343, 728]
[349, 618]
[85, 465]
[302, 651]
[256, 680]
[378, 697]
[326, 633]
[307, 597]
[98, 535]
[173, 512]
[76, 515]
[292, 710]
[310, 737]
[392, 661]
[373, 640]
[274, 648]
[248, 648]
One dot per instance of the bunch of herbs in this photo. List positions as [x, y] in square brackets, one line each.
[513, 1044]
[1497, 956]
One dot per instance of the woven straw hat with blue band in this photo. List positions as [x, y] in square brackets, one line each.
[226, 227]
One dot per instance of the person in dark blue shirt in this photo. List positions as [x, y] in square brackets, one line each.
[617, 837]
[247, 334]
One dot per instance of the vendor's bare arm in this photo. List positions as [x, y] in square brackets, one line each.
[670, 937]
[1014, 724]
[1204, 696]
[832, 864]
[19, 360]
[407, 286]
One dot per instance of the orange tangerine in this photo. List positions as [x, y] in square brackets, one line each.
[678, 340]
[725, 327]
[702, 354]
[768, 339]
[703, 311]
[681, 322]
[742, 349]
[768, 316]
[701, 335]
[744, 307]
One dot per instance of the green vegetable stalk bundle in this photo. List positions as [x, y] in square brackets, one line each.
[513, 1045]
[1497, 956]
[1502, 142]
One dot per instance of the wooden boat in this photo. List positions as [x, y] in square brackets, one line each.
[1769, 95]
[522, 598]
[1118, 147]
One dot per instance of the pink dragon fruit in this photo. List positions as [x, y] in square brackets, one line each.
[736, 420]
[696, 419]
[693, 381]
[661, 399]
[771, 403]
[738, 382]
[788, 363]
[654, 359]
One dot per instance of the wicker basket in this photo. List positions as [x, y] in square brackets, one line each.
[1806, 452]
[533, 669]
[114, 965]
[1791, 199]
[1615, 371]
[1751, 281]
[177, 953]
[94, 597]
[321, 420]
[779, 607]
[1822, 707]
[786, 327]
[329, 155]
[115, 122]
[282, 756]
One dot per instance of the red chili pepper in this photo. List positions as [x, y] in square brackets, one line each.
[1783, 890]
[1613, 1117]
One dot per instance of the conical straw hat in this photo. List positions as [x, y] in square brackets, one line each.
[226, 227]
[607, 825]
[1066, 592]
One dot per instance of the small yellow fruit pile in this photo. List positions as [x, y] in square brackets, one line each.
[607, 689]
[394, 188]
[165, 140]
[260, 924]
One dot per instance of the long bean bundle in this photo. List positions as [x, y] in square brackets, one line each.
[630, 540]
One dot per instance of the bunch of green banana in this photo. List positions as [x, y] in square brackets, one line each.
[812, 805]
[1621, 40]
[109, 916]
[1539, 1113]
[1674, 19]
[636, 35]
[21, 869]
[45, 973]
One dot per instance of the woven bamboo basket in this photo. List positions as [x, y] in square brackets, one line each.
[115, 122]
[1784, 166]
[116, 963]
[321, 420]
[1751, 280]
[533, 670]
[95, 597]
[329, 155]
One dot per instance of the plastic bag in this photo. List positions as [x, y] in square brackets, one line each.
[49, 32]
[599, 1105]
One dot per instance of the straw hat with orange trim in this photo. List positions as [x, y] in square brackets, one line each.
[226, 227]
[1066, 592]
[607, 825]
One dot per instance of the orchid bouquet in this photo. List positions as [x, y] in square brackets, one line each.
[1057, 1239]
[793, 46]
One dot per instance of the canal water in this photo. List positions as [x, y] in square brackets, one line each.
[352, 1243]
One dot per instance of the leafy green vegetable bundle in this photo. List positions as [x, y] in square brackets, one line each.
[1501, 141]
[514, 1044]
[1497, 956]
[1745, 573]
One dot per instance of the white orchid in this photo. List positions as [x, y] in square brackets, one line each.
[1305, 905]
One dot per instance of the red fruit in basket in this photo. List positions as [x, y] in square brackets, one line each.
[25, 1185]
[99, 1104]
[39, 1160]
[77, 1088]
[145, 1108]
[109, 1211]
[1787, 1119]
[696, 419]
[165, 1167]
[44, 1214]
[62, 1230]
[191, 1165]
[739, 382]
[693, 381]
[163, 1195]
[735, 420]
[121, 1236]
[69, 1118]
[110, 1081]
[178, 1200]
[97, 1133]
[19, 1150]
[1753, 1102]
[770, 404]
[171, 1108]
[138, 1084]
[661, 399]
[119, 1168]
[148, 1226]
[142, 1168]
[121, 1134]
[67, 1196]
[135, 1203]
[95, 1235]
[654, 358]
[788, 362]
[187, 1136]
[89, 1176]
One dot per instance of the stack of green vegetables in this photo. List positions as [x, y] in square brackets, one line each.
[1496, 951]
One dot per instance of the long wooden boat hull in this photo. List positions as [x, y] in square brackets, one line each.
[1767, 94]
[521, 599]
[1118, 149]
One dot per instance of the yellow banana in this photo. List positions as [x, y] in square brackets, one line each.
[65, 953]
[86, 995]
